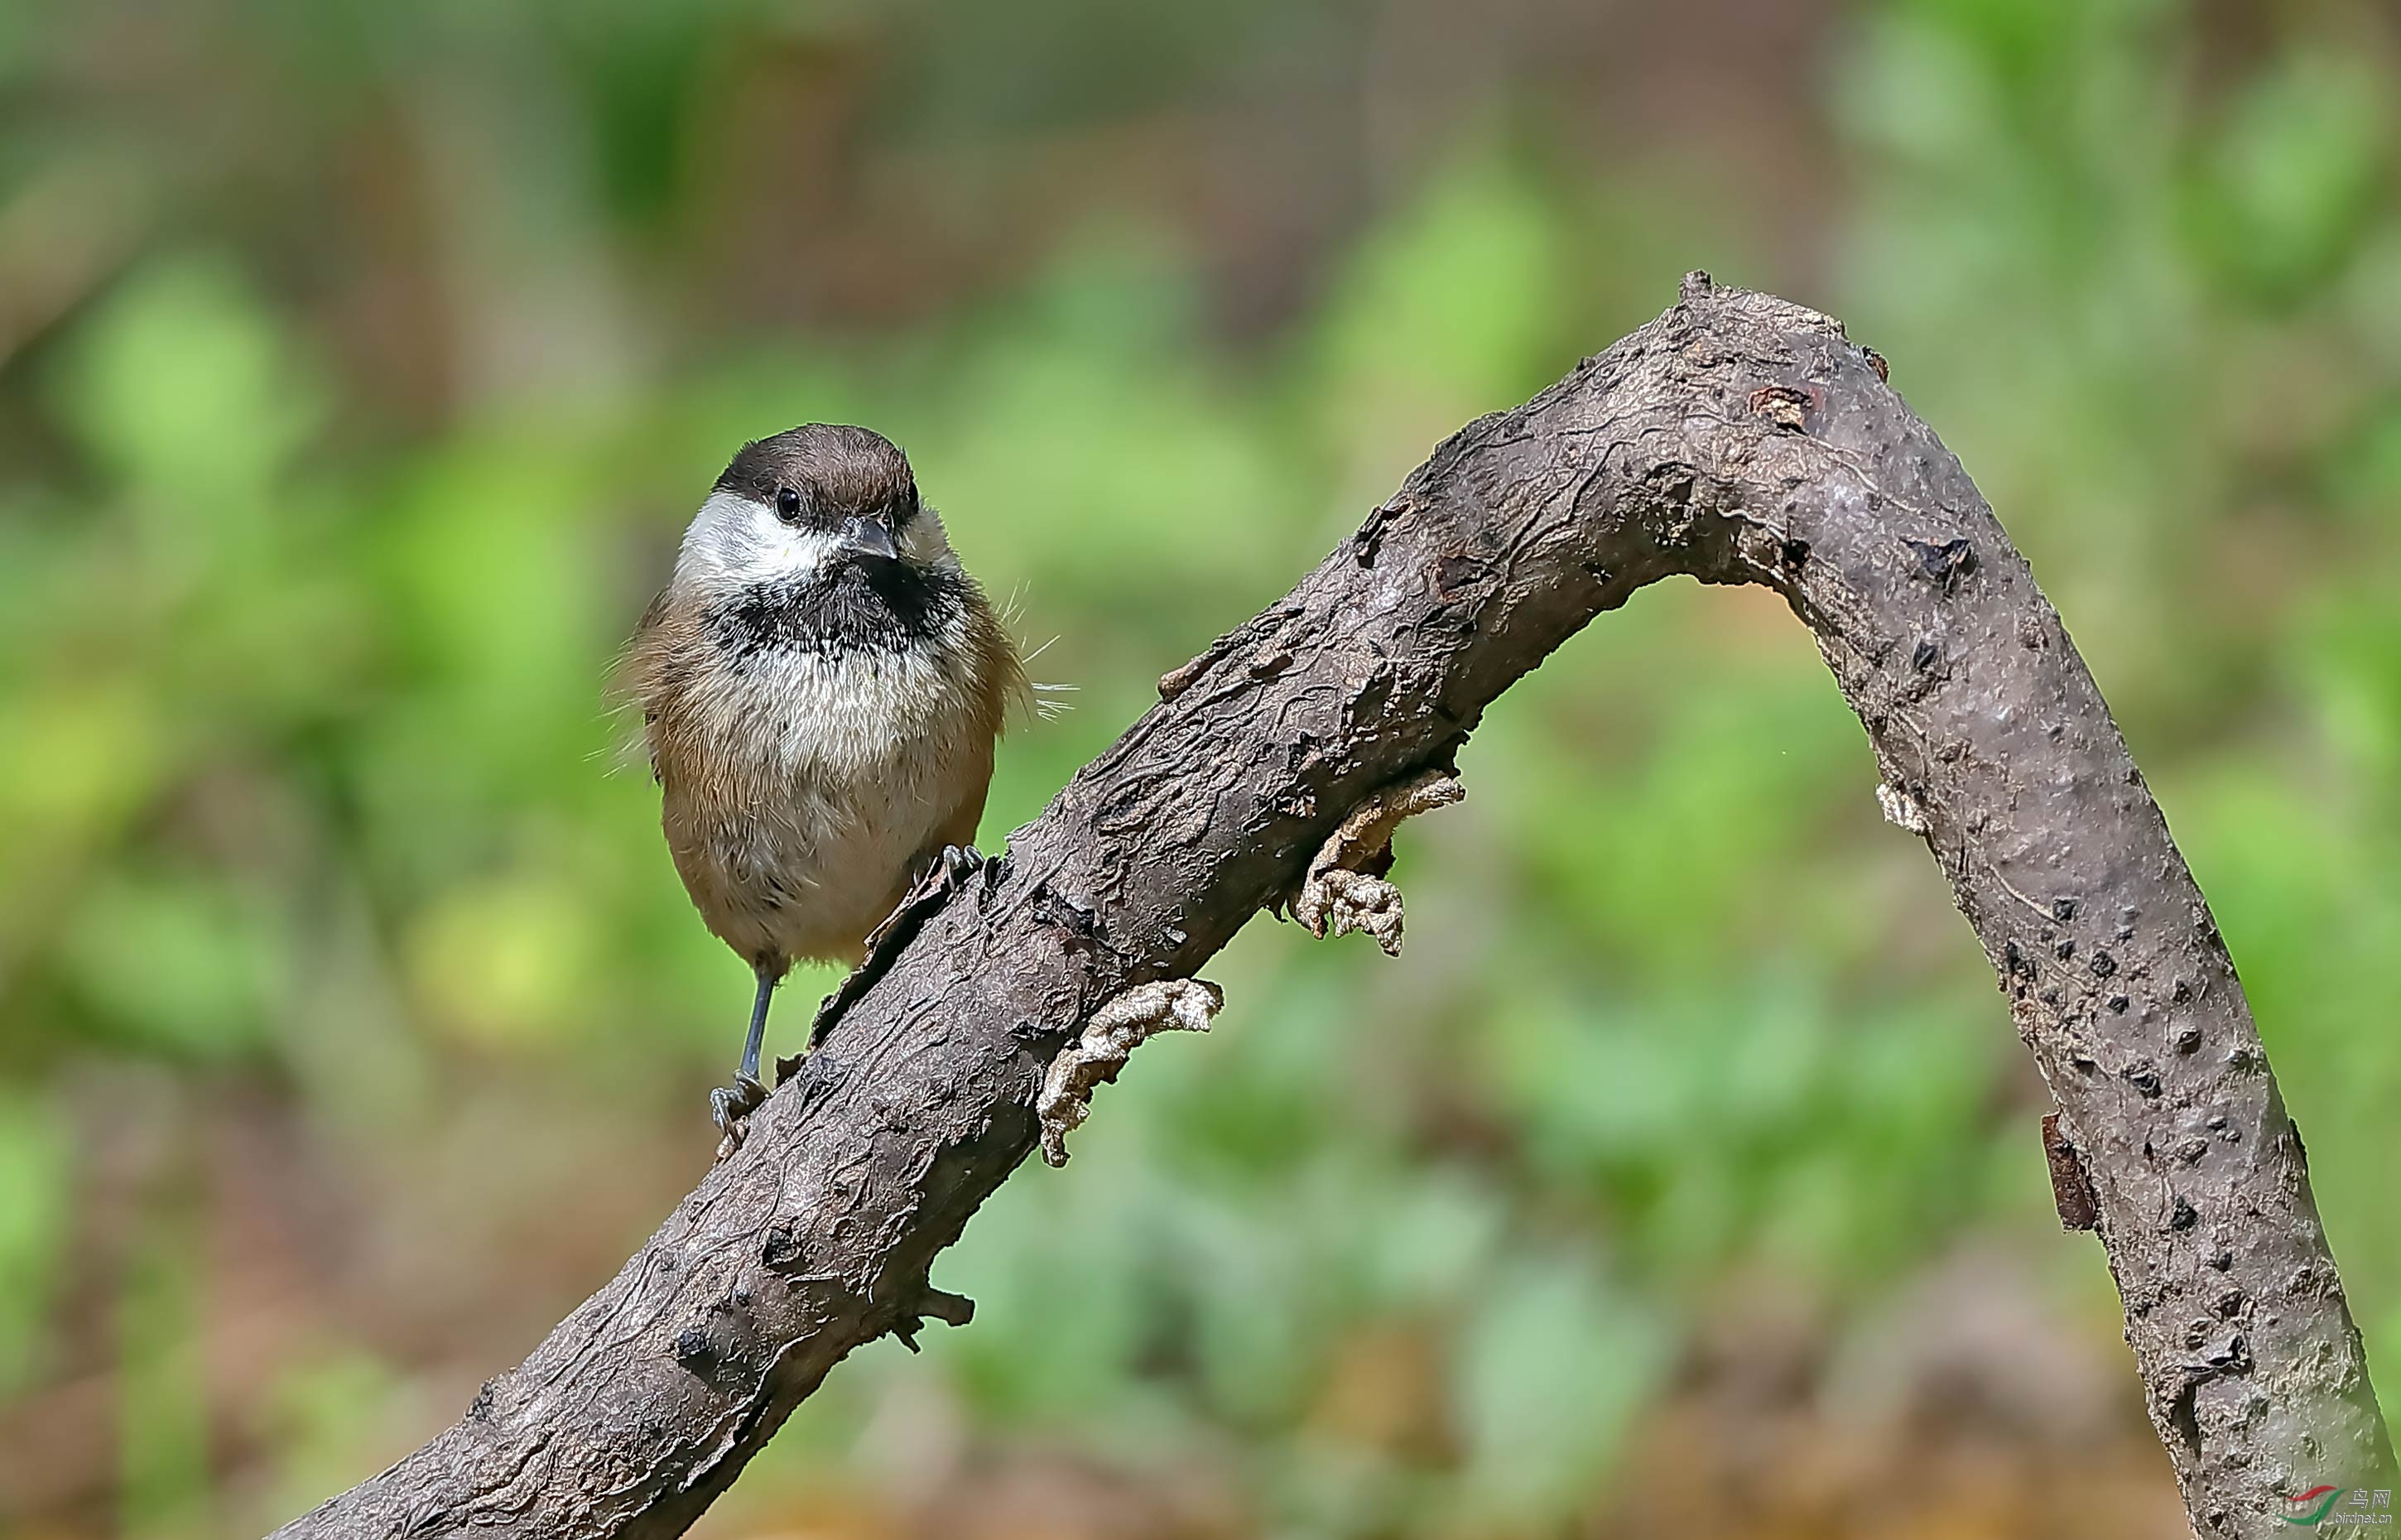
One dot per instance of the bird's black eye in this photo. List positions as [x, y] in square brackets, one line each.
[787, 505]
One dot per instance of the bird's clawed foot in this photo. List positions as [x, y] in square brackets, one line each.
[730, 1106]
[959, 862]
[943, 873]
[946, 871]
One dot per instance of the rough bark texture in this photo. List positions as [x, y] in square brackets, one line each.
[1738, 439]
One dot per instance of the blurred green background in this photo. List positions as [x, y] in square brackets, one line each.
[360, 363]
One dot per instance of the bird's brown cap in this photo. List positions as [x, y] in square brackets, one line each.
[839, 472]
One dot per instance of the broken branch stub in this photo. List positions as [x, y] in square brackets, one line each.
[1738, 438]
[1344, 889]
[1109, 1039]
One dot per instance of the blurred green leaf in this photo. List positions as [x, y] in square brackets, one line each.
[185, 386]
[1555, 1366]
[35, 1168]
[2282, 193]
[175, 961]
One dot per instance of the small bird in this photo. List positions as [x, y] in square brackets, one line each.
[821, 685]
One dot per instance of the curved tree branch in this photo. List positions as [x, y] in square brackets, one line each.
[1737, 439]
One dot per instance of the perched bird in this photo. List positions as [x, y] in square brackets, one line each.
[822, 686]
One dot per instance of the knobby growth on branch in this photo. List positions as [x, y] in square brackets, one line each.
[1738, 438]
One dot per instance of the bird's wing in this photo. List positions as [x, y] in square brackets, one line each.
[644, 673]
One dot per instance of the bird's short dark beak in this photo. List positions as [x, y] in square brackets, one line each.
[870, 537]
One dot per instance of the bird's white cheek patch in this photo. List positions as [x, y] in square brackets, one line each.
[798, 555]
[734, 541]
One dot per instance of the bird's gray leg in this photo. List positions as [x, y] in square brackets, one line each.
[758, 1024]
[731, 1105]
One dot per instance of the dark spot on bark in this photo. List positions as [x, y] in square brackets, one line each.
[2103, 964]
[2183, 992]
[781, 1248]
[2064, 909]
[2184, 1419]
[2120, 1004]
[480, 1408]
[1794, 554]
[2187, 1039]
[1061, 913]
[2071, 1186]
[2183, 1216]
[2222, 1260]
[1922, 656]
[2228, 1303]
[2064, 950]
[693, 1349]
[2143, 1077]
[1946, 564]
[1370, 535]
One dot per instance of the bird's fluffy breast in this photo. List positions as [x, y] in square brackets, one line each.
[830, 706]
